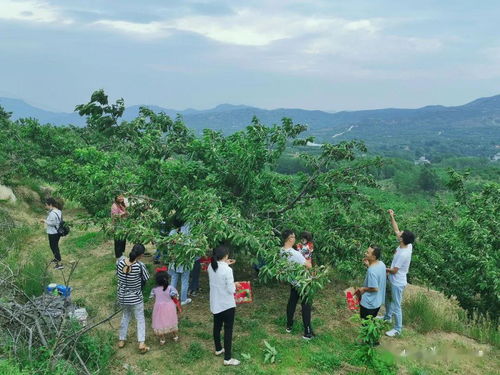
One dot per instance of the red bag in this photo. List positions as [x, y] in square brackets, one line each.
[162, 269]
[205, 261]
[352, 299]
[243, 292]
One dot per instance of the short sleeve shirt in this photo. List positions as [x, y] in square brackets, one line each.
[293, 256]
[401, 260]
[375, 278]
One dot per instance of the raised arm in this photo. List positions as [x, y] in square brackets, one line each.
[394, 223]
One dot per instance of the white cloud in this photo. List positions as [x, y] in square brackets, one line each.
[246, 27]
[31, 11]
[279, 40]
[358, 39]
[145, 30]
[362, 25]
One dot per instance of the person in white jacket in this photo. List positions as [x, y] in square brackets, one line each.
[222, 303]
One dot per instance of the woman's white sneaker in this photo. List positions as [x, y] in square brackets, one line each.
[219, 352]
[392, 333]
[231, 362]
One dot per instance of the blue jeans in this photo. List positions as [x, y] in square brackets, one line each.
[184, 276]
[394, 308]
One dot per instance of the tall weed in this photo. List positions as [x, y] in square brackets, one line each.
[425, 316]
[34, 277]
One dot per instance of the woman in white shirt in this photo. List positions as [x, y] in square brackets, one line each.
[222, 303]
[53, 221]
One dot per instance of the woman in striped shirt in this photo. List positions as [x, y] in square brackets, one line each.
[132, 275]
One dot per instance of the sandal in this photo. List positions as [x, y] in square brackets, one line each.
[144, 349]
[176, 338]
[162, 342]
[121, 344]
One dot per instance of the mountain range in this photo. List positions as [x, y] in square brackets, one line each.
[476, 123]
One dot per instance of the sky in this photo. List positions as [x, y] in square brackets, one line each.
[314, 54]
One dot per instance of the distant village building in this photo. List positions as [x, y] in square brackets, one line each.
[496, 157]
[422, 160]
[312, 144]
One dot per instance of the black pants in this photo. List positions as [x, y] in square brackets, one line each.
[194, 285]
[226, 317]
[119, 247]
[306, 311]
[364, 312]
[54, 245]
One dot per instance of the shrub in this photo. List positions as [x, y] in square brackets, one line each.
[9, 368]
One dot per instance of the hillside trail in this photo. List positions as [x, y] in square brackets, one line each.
[94, 287]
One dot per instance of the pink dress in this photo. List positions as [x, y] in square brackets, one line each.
[164, 310]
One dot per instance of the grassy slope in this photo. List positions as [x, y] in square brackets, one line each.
[331, 352]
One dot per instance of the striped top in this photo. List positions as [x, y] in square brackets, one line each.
[129, 284]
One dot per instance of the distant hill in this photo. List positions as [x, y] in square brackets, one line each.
[475, 124]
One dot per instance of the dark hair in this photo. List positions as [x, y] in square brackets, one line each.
[177, 222]
[377, 251]
[120, 203]
[307, 235]
[54, 203]
[219, 252]
[285, 234]
[162, 279]
[136, 251]
[407, 237]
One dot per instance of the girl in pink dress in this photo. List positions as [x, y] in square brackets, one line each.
[164, 310]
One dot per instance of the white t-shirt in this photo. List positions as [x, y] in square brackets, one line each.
[222, 288]
[401, 260]
[293, 255]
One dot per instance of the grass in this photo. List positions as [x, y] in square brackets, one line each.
[84, 241]
[324, 361]
[94, 287]
[433, 312]
[34, 275]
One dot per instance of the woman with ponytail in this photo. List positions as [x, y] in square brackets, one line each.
[222, 303]
[132, 275]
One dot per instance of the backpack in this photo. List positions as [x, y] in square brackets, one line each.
[63, 227]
